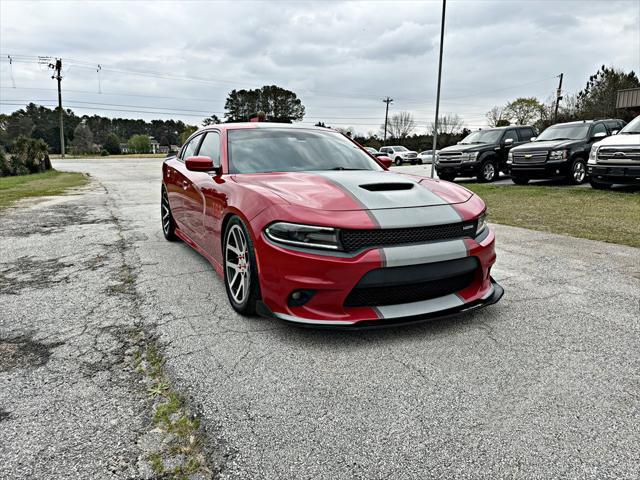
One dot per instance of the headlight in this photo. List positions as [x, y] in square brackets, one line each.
[470, 156]
[303, 235]
[593, 156]
[482, 223]
[558, 155]
[510, 158]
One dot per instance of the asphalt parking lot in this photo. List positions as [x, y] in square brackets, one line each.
[542, 385]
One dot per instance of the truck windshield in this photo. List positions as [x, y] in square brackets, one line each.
[632, 127]
[482, 136]
[261, 150]
[564, 132]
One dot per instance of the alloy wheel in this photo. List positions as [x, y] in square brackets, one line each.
[237, 264]
[166, 212]
[488, 171]
[579, 172]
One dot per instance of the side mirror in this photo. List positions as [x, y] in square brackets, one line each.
[533, 139]
[201, 164]
[614, 132]
[508, 142]
[386, 162]
[599, 135]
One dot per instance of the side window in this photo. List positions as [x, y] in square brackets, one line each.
[210, 147]
[510, 134]
[598, 128]
[525, 134]
[190, 149]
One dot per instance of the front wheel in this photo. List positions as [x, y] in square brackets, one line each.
[578, 173]
[240, 268]
[168, 223]
[599, 185]
[488, 171]
[520, 180]
[398, 161]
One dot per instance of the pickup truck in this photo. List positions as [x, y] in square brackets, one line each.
[400, 154]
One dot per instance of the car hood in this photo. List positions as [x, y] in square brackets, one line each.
[356, 190]
[620, 139]
[546, 145]
[465, 148]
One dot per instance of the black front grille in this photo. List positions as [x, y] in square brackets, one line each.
[354, 240]
[415, 292]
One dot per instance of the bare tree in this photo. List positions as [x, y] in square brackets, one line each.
[496, 117]
[447, 125]
[400, 125]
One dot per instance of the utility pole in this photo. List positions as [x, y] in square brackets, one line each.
[386, 118]
[435, 126]
[558, 98]
[57, 67]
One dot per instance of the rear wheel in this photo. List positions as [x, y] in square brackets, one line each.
[578, 172]
[520, 180]
[488, 171]
[398, 161]
[448, 177]
[168, 223]
[599, 185]
[240, 269]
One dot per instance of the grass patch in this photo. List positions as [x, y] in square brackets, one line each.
[609, 216]
[37, 185]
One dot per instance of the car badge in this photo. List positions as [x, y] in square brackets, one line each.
[619, 154]
[528, 155]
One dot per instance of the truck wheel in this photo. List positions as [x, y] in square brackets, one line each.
[599, 186]
[578, 172]
[520, 180]
[488, 171]
[398, 161]
[448, 177]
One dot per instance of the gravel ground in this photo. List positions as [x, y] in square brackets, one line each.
[542, 385]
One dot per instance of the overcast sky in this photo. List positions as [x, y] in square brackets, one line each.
[341, 58]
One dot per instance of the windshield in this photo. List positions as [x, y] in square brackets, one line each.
[632, 127]
[260, 150]
[482, 136]
[564, 132]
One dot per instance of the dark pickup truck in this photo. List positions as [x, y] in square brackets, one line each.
[560, 151]
[482, 154]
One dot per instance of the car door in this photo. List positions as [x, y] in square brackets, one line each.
[184, 190]
[205, 204]
[505, 146]
[176, 177]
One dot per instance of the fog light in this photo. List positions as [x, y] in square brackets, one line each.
[300, 297]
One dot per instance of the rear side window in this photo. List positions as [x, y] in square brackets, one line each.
[526, 134]
[211, 147]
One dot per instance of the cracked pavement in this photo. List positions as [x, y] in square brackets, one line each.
[544, 384]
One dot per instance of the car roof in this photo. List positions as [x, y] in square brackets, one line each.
[241, 125]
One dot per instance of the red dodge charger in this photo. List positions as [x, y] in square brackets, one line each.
[306, 226]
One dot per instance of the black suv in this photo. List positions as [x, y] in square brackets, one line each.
[481, 154]
[561, 151]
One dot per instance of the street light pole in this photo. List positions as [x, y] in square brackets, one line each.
[435, 127]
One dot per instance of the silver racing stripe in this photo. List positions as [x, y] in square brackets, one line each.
[420, 308]
[417, 254]
[417, 206]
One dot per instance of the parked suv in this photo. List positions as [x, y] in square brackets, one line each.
[616, 159]
[400, 154]
[561, 151]
[481, 154]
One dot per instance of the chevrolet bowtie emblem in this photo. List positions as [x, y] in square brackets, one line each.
[528, 155]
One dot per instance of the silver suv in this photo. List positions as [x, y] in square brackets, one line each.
[400, 154]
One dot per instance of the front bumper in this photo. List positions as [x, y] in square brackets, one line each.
[615, 174]
[333, 276]
[540, 170]
[458, 169]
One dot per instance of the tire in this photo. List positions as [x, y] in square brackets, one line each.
[240, 281]
[599, 186]
[413, 162]
[398, 161]
[488, 171]
[168, 223]
[447, 177]
[578, 172]
[520, 180]
[420, 162]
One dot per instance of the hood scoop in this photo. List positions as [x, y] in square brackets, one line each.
[387, 187]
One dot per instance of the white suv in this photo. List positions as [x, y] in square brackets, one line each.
[400, 154]
[616, 159]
